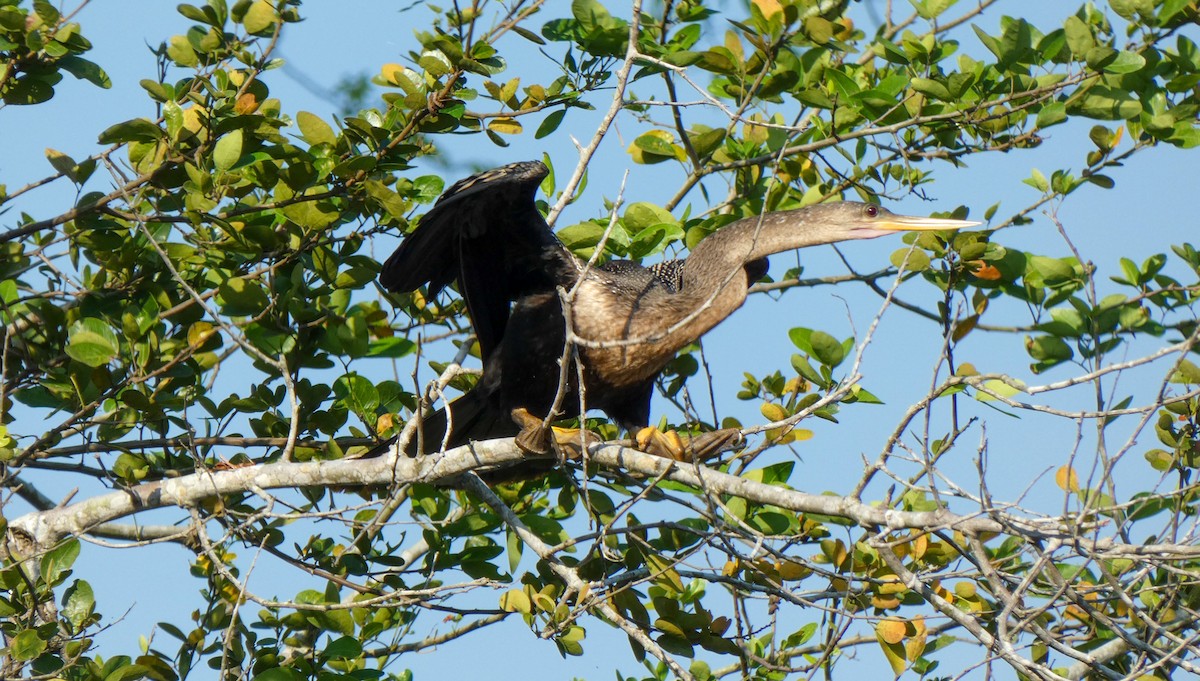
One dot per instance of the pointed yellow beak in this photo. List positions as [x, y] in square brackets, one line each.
[898, 223]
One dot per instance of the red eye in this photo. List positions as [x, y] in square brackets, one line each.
[872, 211]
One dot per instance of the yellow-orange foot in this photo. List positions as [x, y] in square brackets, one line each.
[534, 438]
[700, 447]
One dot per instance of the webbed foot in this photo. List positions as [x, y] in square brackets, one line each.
[534, 438]
[700, 447]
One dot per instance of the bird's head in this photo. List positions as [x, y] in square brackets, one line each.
[867, 221]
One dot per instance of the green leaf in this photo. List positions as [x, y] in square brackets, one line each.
[312, 215]
[228, 150]
[1038, 181]
[180, 50]
[85, 70]
[345, 647]
[240, 297]
[78, 604]
[819, 29]
[58, 561]
[655, 146]
[931, 9]
[357, 394]
[435, 63]
[590, 14]
[136, 130]
[1052, 114]
[393, 347]
[931, 88]
[130, 467]
[26, 645]
[60, 161]
[260, 17]
[643, 215]
[1048, 348]
[1105, 103]
[1186, 372]
[1126, 62]
[1079, 37]
[92, 342]
[826, 349]
[314, 129]
[911, 259]
[550, 124]
[279, 674]
[1052, 270]
[705, 142]
[1159, 459]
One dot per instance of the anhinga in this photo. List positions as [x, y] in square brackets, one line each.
[486, 235]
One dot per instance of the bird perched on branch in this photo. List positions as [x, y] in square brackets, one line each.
[627, 321]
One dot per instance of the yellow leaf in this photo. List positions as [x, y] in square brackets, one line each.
[515, 601]
[505, 126]
[733, 43]
[1066, 479]
[769, 8]
[384, 423]
[890, 630]
[885, 602]
[963, 327]
[965, 590]
[915, 645]
[246, 104]
[391, 72]
[773, 411]
[795, 384]
[259, 17]
[834, 550]
[509, 89]
[920, 544]
[894, 652]
[996, 387]
[199, 332]
[192, 121]
[792, 571]
[544, 602]
[655, 146]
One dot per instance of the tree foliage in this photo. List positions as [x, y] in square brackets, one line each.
[200, 332]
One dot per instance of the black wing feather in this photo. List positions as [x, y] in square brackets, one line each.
[485, 234]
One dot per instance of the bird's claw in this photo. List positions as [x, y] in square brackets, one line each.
[535, 438]
[689, 448]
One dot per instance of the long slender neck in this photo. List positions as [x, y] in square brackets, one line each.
[714, 275]
[714, 285]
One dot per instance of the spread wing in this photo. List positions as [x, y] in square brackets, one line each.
[486, 235]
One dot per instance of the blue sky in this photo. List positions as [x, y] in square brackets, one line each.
[1149, 209]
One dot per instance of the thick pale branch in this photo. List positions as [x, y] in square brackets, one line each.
[51, 525]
